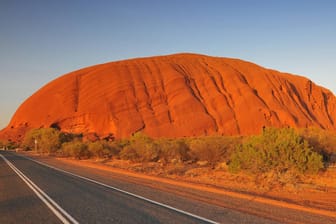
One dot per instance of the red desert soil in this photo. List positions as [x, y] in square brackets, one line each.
[174, 96]
[319, 197]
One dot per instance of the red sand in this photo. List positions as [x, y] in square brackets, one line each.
[308, 200]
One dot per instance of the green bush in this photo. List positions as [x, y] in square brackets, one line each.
[279, 150]
[142, 147]
[76, 149]
[98, 149]
[103, 149]
[47, 140]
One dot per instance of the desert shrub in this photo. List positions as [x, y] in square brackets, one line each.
[322, 141]
[98, 149]
[103, 149]
[76, 149]
[48, 140]
[212, 149]
[122, 142]
[146, 149]
[12, 145]
[68, 137]
[129, 153]
[279, 150]
[113, 147]
[173, 150]
[8, 144]
[148, 152]
[4, 144]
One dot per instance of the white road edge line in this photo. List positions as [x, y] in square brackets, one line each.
[125, 192]
[51, 204]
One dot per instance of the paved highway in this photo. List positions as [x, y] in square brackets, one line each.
[31, 192]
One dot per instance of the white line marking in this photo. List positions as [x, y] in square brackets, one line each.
[42, 195]
[125, 192]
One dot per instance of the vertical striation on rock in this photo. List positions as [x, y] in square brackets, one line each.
[174, 96]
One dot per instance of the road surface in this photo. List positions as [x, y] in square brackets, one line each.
[31, 192]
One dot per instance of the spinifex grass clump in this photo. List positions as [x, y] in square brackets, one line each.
[277, 150]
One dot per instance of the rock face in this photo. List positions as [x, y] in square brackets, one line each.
[174, 96]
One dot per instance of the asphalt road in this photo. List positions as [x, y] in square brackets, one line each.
[34, 193]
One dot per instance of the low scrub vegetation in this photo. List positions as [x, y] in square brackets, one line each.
[281, 152]
[173, 151]
[43, 140]
[103, 149]
[76, 149]
[8, 144]
[277, 150]
[140, 148]
[212, 149]
[323, 142]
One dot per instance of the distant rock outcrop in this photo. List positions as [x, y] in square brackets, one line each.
[173, 96]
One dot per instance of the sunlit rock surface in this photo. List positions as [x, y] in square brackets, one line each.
[174, 96]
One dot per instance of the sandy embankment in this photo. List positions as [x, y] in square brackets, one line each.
[314, 198]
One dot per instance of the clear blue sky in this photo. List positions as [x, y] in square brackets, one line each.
[41, 40]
